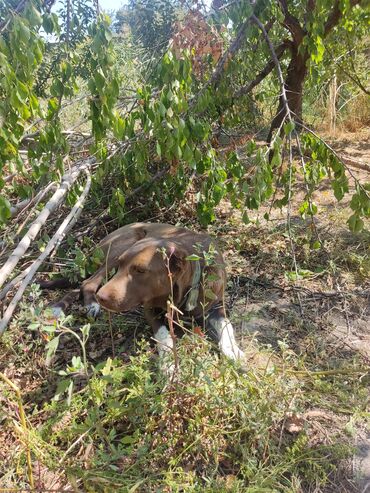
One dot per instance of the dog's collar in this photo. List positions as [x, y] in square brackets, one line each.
[193, 293]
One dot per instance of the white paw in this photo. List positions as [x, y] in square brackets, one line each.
[92, 309]
[232, 352]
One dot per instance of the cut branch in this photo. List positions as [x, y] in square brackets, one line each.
[55, 201]
[53, 243]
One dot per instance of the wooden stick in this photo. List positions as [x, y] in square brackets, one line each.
[53, 243]
[55, 201]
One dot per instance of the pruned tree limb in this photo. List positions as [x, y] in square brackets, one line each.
[54, 202]
[53, 243]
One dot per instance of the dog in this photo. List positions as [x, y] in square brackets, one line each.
[155, 263]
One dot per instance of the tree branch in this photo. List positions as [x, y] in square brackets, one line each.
[233, 48]
[279, 50]
[53, 243]
[277, 65]
[54, 202]
[292, 23]
[335, 16]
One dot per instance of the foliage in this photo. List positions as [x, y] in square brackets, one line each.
[171, 119]
[213, 428]
[149, 21]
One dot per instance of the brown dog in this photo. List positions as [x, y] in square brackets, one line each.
[155, 263]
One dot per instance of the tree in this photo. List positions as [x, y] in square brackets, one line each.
[150, 21]
[309, 23]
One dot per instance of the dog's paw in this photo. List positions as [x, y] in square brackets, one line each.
[233, 352]
[92, 309]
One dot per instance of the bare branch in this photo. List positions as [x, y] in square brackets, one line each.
[55, 201]
[25, 204]
[277, 65]
[53, 243]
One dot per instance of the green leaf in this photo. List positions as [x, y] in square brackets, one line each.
[289, 127]
[33, 15]
[188, 154]
[276, 159]
[355, 223]
[251, 147]
[193, 257]
[128, 440]
[162, 109]
[4, 209]
[158, 149]
[51, 347]
[24, 31]
[245, 218]
[99, 81]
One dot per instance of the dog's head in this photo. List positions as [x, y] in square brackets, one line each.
[147, 273]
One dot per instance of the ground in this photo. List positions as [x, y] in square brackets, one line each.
[305, 311]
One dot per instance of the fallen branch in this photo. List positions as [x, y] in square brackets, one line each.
[55, 201]
[16, 209]
[68, 222]
[16, 280]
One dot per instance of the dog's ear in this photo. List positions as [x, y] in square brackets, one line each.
[177, 258]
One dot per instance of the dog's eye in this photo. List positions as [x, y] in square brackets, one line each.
[139, 270]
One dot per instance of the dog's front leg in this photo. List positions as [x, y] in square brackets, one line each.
[163, 338]
[222, 331]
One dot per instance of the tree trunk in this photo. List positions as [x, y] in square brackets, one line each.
[294, 81]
